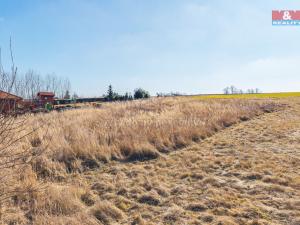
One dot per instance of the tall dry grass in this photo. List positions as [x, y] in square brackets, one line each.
[139, 130]
[83, 139]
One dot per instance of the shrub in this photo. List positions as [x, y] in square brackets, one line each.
[141, 93]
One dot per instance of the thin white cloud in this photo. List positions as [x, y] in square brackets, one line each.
[268, 74]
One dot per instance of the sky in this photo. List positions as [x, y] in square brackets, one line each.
[186, 46]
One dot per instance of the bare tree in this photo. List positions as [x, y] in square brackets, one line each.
[60, 85]
[32, 82]
[48, 82]
[54, 83]
[226, 91]
[7, 80]
[250, 91]
[233, 89]
[67, 86]
[14, 155]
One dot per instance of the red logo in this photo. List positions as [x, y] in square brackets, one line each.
[286, 15]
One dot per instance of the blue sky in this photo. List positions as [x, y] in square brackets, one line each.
[189, 46]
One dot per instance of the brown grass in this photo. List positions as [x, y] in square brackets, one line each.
[135, 131]
[119, 164]
[107, 213]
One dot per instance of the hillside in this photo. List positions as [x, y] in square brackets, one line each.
[245, 171]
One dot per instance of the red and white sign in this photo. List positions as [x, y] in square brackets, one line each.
[286, 17]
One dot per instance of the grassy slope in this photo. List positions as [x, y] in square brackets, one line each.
[241, 174]
[246, 174]
[140, 130]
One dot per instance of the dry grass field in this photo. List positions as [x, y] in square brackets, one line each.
[164, 161]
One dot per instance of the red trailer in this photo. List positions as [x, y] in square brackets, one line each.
[9, 102]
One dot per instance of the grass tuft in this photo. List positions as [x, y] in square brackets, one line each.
[107, 213]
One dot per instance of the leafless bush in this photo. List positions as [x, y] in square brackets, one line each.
[15, 156]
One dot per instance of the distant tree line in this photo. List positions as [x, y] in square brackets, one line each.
[139, 93]
[233, 90]
[29, 84]
[160, 94]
